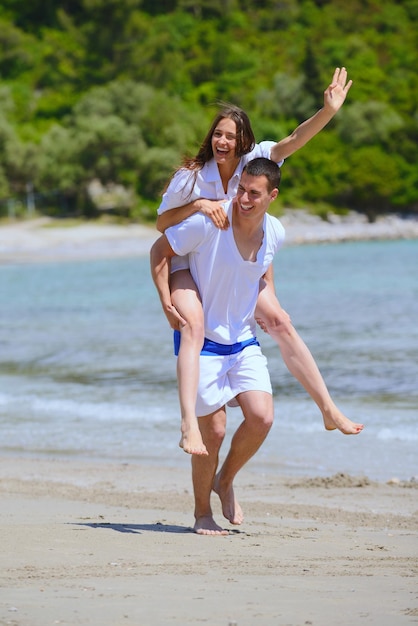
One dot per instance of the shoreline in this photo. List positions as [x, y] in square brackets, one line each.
[94, 542]
[110, 543]
[46, 240]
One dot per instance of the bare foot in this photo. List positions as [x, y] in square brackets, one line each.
[337, 420]
[207, 526]
[191, 441]
[230, 506]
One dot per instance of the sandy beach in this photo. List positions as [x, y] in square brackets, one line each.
[105, 544]
[45, 239]
[102, 544]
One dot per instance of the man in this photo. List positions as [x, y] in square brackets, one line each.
[227, 266]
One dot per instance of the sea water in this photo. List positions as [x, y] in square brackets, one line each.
[87, 367]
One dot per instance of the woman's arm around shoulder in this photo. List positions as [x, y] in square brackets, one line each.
[211, 208]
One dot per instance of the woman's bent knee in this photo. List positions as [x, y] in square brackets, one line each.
[193, 332]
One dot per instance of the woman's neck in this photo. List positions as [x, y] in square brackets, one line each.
[226, 171]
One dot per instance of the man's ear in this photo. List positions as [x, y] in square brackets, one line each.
[274, 194]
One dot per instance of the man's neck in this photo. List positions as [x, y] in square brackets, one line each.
[247, 226]
[248, 235]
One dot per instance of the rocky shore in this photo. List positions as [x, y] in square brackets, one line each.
[303, 227]
[44, 239]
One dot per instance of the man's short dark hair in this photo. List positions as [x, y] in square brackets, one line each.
[265, 167]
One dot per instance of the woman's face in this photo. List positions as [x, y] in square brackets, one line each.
[224, 141]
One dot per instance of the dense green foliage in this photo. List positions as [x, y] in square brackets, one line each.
[117, 91]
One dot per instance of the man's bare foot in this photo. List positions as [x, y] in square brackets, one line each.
[191, 441]
[230, 506]
[337, 420]
[207, 526]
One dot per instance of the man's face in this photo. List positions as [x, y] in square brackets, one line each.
[253, 197]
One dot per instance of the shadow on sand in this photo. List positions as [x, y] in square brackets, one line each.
[138, 528]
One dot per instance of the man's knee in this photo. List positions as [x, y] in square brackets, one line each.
[259, 424]
[213, 427]
[265, 420]
[218, 434]
[259, 416]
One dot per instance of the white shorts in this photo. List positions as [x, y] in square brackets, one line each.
[179, 263]
[224, 377]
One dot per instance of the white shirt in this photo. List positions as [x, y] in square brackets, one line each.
[228, 284]
[184, 189]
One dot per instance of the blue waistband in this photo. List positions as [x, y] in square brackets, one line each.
[212, 347]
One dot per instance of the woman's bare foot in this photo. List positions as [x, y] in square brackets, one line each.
[191, 441]
[230, 506]
[207, 526]
[337, 420]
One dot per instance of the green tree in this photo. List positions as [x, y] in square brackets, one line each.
[121, 89]
[375, 180]
[369, 123]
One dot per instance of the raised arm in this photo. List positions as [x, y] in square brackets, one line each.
[160, 259]
[334, 97]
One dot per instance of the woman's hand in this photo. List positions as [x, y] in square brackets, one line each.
[335, 93]
[215, 211]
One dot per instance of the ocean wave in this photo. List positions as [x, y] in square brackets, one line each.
[405, 433]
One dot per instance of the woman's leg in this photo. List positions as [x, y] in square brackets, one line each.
[299, 360]
[186, 299]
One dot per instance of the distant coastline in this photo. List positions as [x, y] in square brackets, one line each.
[303, 227]
[45, 239]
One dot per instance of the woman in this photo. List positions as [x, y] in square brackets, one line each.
[201, 184]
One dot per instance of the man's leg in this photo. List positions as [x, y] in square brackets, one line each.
[299, 360]
[257, 407]
[204, 468]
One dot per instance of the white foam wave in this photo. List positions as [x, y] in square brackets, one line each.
[398, 434]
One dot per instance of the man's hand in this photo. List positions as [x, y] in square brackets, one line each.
[215, 210]
[175, 320]
[335, 93]
[262, 325]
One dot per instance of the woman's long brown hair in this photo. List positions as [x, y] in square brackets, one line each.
[245, 139]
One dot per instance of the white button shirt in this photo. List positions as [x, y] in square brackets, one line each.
[227, 283]
[184, 188]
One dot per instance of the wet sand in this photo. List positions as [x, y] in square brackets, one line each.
[111, 544]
